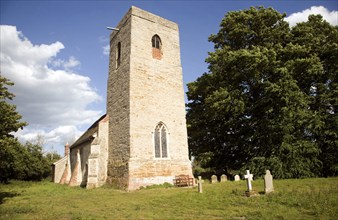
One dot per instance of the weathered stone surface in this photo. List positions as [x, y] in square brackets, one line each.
[59, 171]
[92, 180]
[145, 89]
[214, 179]
[86, 164]
[76, 177]
[142, 92]
[200, 188]
[118, 105]
[237, 178]
[224, 178]
[268, 182]
[103, 156]
[249, 177]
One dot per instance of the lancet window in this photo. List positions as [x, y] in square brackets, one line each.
[161, 141]
[157, 47]
[118, 55]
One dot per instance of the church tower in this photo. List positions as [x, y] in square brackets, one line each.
[145, 103]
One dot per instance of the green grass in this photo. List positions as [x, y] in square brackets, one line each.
[292, 199]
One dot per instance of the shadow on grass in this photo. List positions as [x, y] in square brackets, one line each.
[4, 195]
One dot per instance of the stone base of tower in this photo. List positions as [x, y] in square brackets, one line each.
[150, 172]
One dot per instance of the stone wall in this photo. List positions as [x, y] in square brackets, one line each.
[79, 170]
[98, 158]
[103, 158]
[142, 92]
[59, 168]
[156, 95]
[118, 105]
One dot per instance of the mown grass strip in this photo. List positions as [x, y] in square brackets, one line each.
[292, 199]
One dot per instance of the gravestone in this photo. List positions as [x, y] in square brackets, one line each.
[268, 183]
[213, 179]
[237, 178]
[224, 178]
[248, 176]
[199, 184]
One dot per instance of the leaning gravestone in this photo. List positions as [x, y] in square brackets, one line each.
[224, 178]
[213, 179]
[237, 178]
[268, 184]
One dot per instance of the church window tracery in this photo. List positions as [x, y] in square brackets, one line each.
[160, 141]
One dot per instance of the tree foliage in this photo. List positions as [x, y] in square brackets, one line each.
[10, 119]
[269, 100]
[320, 40]
[17, 161]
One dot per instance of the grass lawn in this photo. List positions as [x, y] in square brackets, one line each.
[292, 199]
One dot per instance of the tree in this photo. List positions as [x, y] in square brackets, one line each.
[9, 122]
[319, 40]
[10, 119]
[8, 154]
[52, 157]
[21, 162]
[37, 166]
[253, 108]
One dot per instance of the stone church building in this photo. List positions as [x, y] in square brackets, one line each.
[142, 140]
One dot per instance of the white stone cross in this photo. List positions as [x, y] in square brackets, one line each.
[249, 178]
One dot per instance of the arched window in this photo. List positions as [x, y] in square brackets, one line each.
[157, 47]
[118, 54]
[156, 42]
[160, 141]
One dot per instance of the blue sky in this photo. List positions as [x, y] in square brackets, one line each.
[55, 53]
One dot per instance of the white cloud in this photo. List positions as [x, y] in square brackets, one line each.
[28, 54]
[329, 16]
[53, 101]
[54, 139]
[106, 50]
[67, 65]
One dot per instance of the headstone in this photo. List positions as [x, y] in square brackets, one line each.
[213, 179]
[248, 176]
[237, 178]
[268, 183]
[224, 178]
[199, 184]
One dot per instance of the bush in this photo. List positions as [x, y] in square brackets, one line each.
[22, 162]
[8, 150]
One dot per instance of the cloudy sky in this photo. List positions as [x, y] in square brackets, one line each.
[56, 53]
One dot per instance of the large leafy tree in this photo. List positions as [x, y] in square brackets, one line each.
[17, 161]
[251, 110]
[9, 122]
[31, 164]
[319, 40]
[10, 118]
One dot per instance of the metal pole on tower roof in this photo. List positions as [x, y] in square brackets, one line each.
[113, 29]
